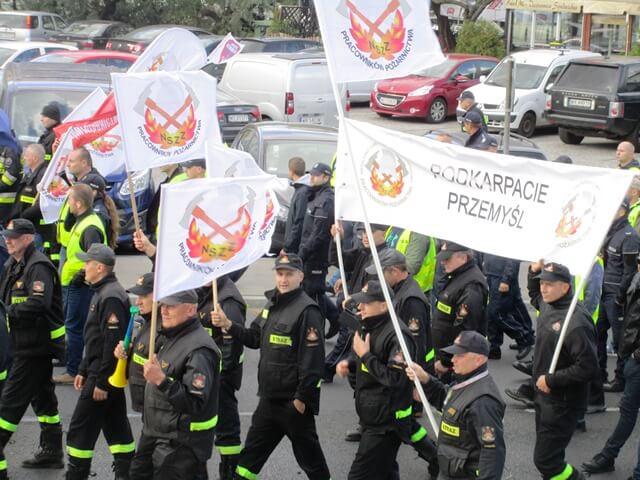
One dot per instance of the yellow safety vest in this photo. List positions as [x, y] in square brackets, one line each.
[332, 182]
[576, 282]
[73, 264]
[181, 177]
[62, 234]
[427, 271]
[634, 212]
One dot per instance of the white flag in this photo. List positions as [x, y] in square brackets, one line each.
[168, 116]
[508, 206]
[173, 50]
[88, 106]
[210, 227]
[55, 183]
[228, 48]
[366, 40]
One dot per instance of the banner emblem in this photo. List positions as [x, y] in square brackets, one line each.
[578, 215]
[386, 176]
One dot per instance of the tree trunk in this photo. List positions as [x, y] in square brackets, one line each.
[109, 9]
[445, 35]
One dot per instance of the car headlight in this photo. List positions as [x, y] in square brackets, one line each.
[421, 91]
[140, 183]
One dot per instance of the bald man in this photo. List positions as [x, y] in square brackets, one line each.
[625, 154]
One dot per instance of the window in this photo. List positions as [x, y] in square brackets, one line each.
[608, 34]
[96, 61]
[278, 153]
[119, 63]
[590, 78]
[27, 55]
[486, 67]
[47, 23]
[525, 76]
[554, 74]
[467, 69]
[60, 23]
[633, 79]
[9, 20]
[248, 142]
[54, 49]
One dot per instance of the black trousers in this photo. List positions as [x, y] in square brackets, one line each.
[161, 459]
[555, 424]
[28, 383]
[314, 285]
[376, 456]
[272, 420]
[90, 418]
[228, 428]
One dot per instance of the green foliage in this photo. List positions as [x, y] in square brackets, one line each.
[480, 38]
[635, 50]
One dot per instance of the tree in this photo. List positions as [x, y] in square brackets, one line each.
[480, 38]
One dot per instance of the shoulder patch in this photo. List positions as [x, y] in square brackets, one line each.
[38, 286]
[451, 411]
[556, 326]
[312, 335]
[414, 324]
[488, 434]
[19, 284]
[198, 381]
[463, 310]
[113, 320]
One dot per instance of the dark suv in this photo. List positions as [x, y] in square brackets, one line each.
[597, 98]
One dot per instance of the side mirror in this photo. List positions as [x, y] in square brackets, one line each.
[548, 87]
[482, 78]
[461, 79]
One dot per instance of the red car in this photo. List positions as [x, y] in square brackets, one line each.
[108, 58]
[431, 93]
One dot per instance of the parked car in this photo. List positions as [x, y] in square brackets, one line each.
[108, 58]
[91, 33]
[276, 44]
[28, 25]
[292, 87]
[137, 40]
[534, 71]
[272, 144]
[597, 98]
[519, 146]
[233, 114]
[27, 87]
[19, 52]
[430, 93]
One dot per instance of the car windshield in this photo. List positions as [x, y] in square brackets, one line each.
[145, 33]
[590, 78]
[13, 21]
[437, 71]
[253, 46]
[54, 59]
[5, 53]
[26, 106]
[527, 77]
[278, 153]
[88, 29]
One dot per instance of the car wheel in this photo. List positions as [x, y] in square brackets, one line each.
[569, 138]
[383, 115]
[437, 111]
[527, 125]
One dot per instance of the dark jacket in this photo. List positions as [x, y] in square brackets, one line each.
[46, 140]
[154, 206]
[137, 355]
[356, 261]
[32, 294]
[10, 175]
[578, 363]
[630, 336]
[106, 325]
[295, 217]
[481, 140]
[290, 335]
[620, 253]
[315, 240]
[413, 308]
[505, 269]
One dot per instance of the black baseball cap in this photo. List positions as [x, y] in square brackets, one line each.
[178, 298]
[95, 181]
[371, 292]
[555, 272]
[320, 169]
[196, 162]
[469, 341]
[100, 253]
[473, 117]
[18, 227]
[288, 261]
[448, 249]
[467, 95]
[389, 257]
[143, 286]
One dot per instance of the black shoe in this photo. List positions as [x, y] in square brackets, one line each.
[519, 397]
[591, 409]
[514, 346]
[524, 367]
[581, 426]
[49, 454]
[524, 352]
[599, 464]
[495, 354]
[354, 435]
[613, 387]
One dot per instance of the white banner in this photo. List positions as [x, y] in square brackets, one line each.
[210, 227]
[228, 48]
[168, 116]
[53, 188]
[366, 40]
[174, 49]
[508, 206]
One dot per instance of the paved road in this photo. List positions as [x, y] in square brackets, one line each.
[337, 412]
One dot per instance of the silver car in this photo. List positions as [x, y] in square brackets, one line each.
[29, 25]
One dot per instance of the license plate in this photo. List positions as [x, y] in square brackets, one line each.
[580, 103]
[238, 118]
[388, 102]
[7, 35]
[315, 119]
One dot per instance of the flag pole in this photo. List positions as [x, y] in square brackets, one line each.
[214, 293]
[154, 329]
[341, 264]
[374, 253]
[134, 205]
[154, 312]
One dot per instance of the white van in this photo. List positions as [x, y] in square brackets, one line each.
[291, 87]
[535, 71]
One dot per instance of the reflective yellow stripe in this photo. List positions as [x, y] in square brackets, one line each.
[443, 307]
[3, 375]
[364, 368]
[450, 429]
[57, 333]
[123, 448]
[7, 425]
[7, 199]
[75, 452]
[207, 425]
[139, 359]
[51, 420]
[430, 355]
[42, 222]
[280, 340]
[73, 264]
[17, 300]
[55, 256]
[265, 313]
[241, 359]
[27, 199]
[229, 450]
[419, 435]
[7, 180]
[47, 157]
[400, 414]
[209, 331]
[3, 465]
[565, 474]
[244, 473]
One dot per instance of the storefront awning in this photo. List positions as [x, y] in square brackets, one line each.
[572, 6]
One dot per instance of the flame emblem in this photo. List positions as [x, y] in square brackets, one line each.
[371, 39]
[578, 214]
[385, 176]
[269, 214]
[385, 184]
[106, 143]
[165, 129]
